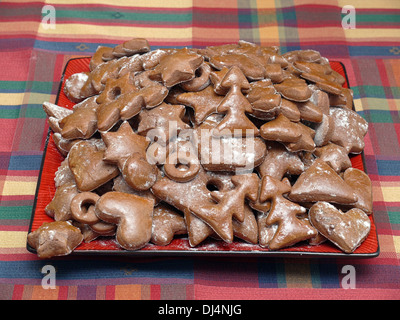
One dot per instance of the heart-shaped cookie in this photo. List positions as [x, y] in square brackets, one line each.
[85, 160]
[347, 230]
[132, 215]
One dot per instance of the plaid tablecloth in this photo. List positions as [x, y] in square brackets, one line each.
[33, 55]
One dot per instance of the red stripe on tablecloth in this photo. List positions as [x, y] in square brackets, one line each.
[222, 293]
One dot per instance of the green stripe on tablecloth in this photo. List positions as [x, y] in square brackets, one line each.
[377, 116]
[115, 16]
[12, 86]
[371, 17]
[394, 217]
[30, 111]
[15, 213]
[9, 112]
[20, 86]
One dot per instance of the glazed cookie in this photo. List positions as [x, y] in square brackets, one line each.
[280, 162]
[163, 122]
[177, 67]
[58, 238]
[167, 222]
[289, 229]
[229, 204]
[196, 193]
[82, 122]
[321, 183]
[82, 207]
[229, 153]
[204, 102]
[86, 162]
[132, 215]
[60, 206]
[73, 86]
[334, 155]
[235, 106]
[54, 114]
[362, 186]
[347, 230]
[349, 129]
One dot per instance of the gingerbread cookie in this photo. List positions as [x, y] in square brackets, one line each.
[132, 215]
[60, 206]
[203, 102]
[57, 238]
[229, 204]
[285, 214]
[235, 106]
[321, 183]
[82, 122]
[349, 129]
[362, 186]
[264, 99]
[73, 86]
[54, 114]
[82, 207]
[163, 122]
[294, 89]
[177, 67]
[167, 222]
[280, 162]
[196, 193]
[229, 153]
[347, 230]
[86, 162]
[334, 155]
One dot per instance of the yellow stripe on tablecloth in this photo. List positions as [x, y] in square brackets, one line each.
[16, 188]
[65, 30]
[363, 4]
[391, 194]
[371, 33]
[358, 105]
[12, 239]
[11, 99]
[85, 29]
[396, 241]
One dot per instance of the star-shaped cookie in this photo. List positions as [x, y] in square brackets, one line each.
[177, 67]
[82, 122]
[122, 143]
[204, 102]
[164, 121]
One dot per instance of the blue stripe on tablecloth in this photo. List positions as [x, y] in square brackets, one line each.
[73, 269]
[26, 162]
[388, 168]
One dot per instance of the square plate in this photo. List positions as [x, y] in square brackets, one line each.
[180, 245]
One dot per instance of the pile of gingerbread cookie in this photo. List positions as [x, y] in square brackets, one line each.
[228, 142]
